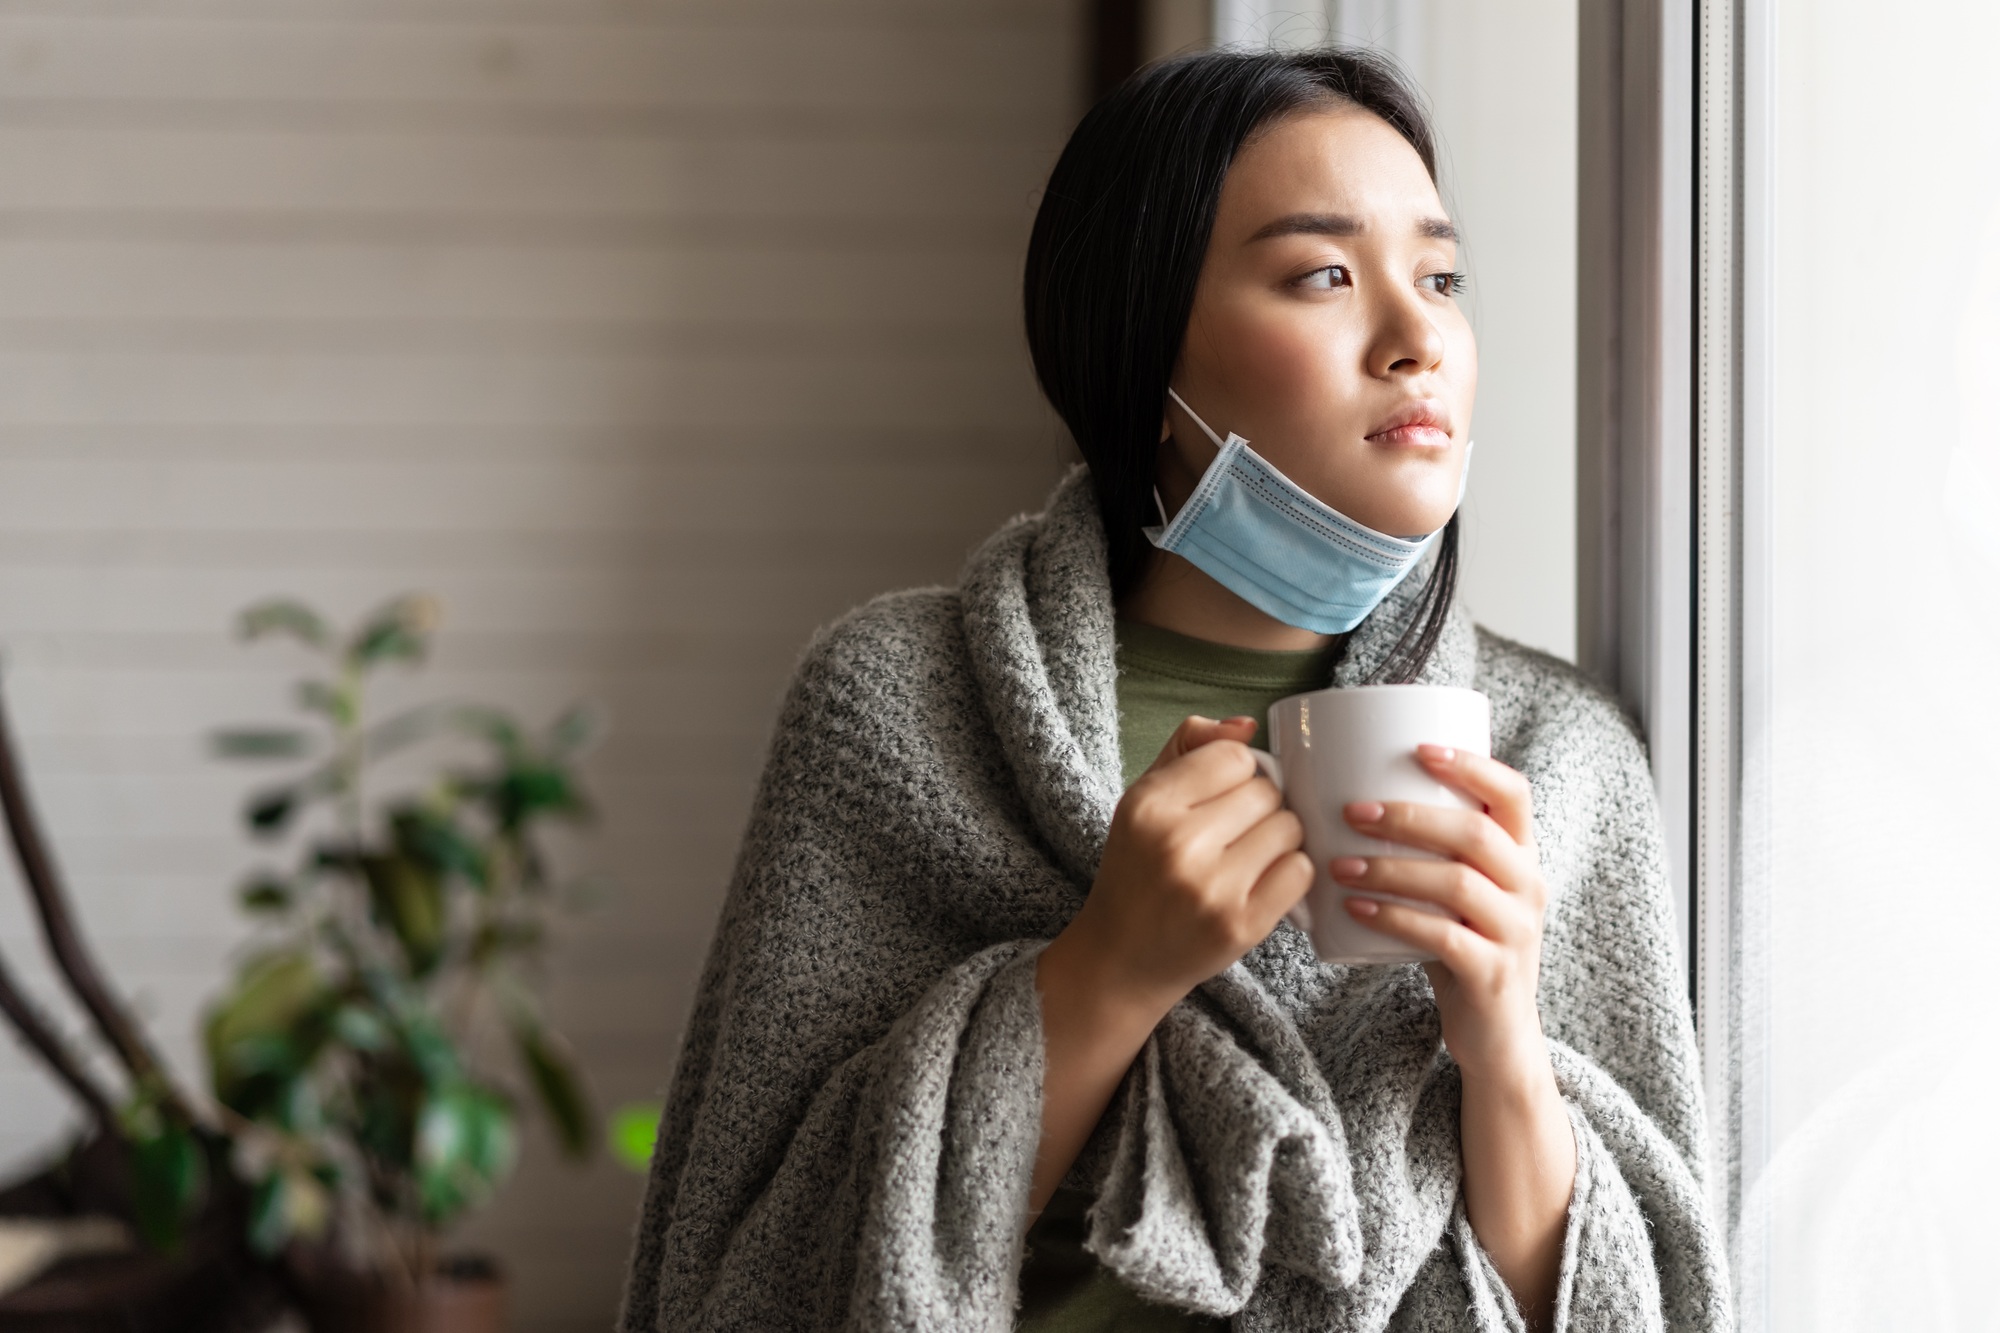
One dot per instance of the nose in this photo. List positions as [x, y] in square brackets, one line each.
[1406, 340]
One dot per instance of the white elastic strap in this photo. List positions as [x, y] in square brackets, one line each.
[1161, 505]
[1213, 438]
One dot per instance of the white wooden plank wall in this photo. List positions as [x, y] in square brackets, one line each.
[648, 333]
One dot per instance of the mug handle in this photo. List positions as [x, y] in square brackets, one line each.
[1267, 767]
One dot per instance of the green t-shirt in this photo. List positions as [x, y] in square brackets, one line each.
[1162, 678]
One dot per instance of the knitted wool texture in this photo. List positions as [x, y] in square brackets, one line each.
[852, 1126]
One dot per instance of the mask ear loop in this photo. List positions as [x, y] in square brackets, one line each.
[1213, 438]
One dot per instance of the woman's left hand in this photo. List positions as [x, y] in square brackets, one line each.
[1514, 1133]
[1489, 947]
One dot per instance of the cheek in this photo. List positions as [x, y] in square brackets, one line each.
[1283, 364]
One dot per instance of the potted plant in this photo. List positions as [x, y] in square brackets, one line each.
[384, 1034]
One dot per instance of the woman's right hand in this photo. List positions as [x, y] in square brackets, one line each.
[1202, 861]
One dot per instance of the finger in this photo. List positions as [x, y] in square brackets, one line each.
[1503, 791]
[1457, 946]
[1204, 773]
[1196, 731]
[1279, 889]
[1470, 836]
[1246, 859]
[1452, 885]
[1225, 817]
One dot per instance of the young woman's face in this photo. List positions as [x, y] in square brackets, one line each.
[1325, 330]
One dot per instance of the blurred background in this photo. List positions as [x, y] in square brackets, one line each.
[646, 334]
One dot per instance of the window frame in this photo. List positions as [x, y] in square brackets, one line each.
[1674, 502]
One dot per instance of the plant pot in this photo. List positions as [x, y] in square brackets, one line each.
[211, 1283]
[464, 1295]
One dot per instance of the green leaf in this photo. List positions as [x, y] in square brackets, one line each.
[494, 938]
[407, 728]
[268, 1230]
[490, 725]
[430, 1049]
[169, 1178]
[260, 743]
[465, 1147]
[408, 897]
[400, 630]
[531, 789]
[557, 1085]
[268, 812]
[283, 616]
[265, 1032]
[270, 1227]
[360, 1028]
[316, 696]
[576, 729]
[288, 1203]
[299, 1108]
[266, 895]
[633, 1132]
[435, 840]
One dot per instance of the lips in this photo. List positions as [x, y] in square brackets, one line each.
[1422, 424]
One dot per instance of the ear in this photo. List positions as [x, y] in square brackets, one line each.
[1166, 428]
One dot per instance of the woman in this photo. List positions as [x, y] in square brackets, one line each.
[1003, 1021]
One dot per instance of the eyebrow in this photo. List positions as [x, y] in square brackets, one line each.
[1339, 224]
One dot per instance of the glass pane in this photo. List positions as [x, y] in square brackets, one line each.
[1884, 1062]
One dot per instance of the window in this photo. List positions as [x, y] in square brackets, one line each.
[1789, 336]
[1871, 687]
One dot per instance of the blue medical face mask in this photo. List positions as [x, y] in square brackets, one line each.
[1248, 527]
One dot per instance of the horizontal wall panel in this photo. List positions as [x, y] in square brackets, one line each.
[773, 16]
[799, 292]
[833, 65]
[898, 233]
[649, 335]
[688, 392]
[937, 179]
[248, 497]
[753, 444]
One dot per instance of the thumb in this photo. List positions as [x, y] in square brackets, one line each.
[1197, 731]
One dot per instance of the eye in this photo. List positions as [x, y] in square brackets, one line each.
[1446, 284]
[1325, 279]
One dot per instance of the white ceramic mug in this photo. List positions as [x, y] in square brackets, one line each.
[1333, 747]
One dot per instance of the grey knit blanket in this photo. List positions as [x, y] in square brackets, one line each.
[851, 1129]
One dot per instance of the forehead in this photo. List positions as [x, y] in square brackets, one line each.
[1336, 160]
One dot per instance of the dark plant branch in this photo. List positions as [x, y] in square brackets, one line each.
[65, 941]
[49, 1045]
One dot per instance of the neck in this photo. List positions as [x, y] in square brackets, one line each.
[1176, 596]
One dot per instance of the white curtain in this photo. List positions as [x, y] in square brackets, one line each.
[1395, 26]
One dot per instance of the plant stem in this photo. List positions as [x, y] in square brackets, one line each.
[65, 941]
[49, 1045]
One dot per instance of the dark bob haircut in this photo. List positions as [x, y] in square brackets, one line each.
[1118, 245]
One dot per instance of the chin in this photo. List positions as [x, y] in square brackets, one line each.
[1407, 519]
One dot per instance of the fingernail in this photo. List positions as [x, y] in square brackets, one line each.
[1363, 906]
[1348, 867]
[1365, 812]
[1437, 754]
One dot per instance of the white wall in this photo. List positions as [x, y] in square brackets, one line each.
[1502, 78]
[648, 334]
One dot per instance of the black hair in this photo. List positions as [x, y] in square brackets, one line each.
[1117, 248]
